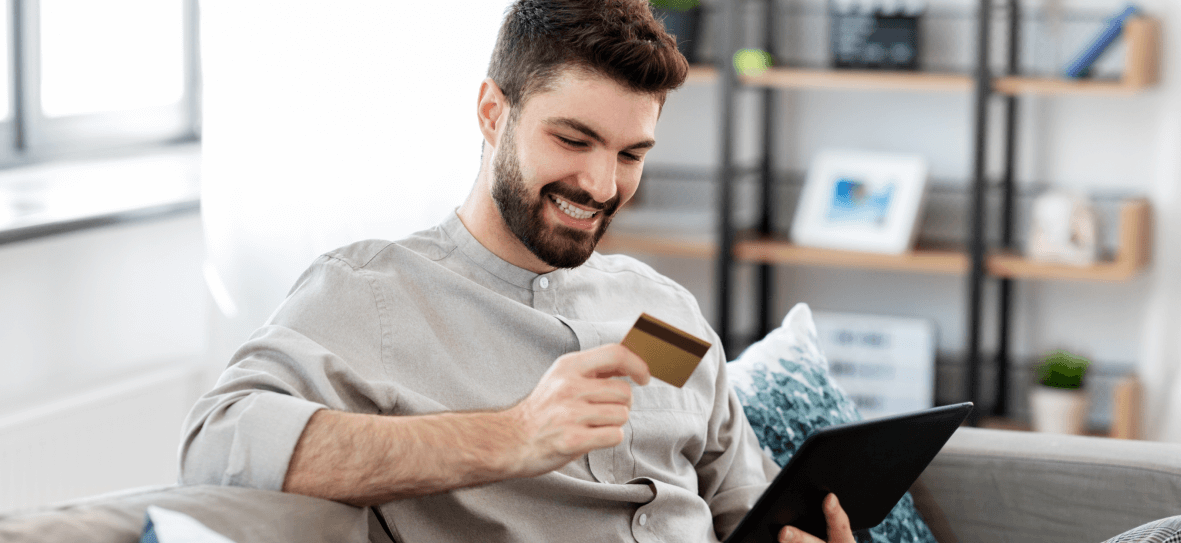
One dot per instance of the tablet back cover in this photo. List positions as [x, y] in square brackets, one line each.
[869, 465]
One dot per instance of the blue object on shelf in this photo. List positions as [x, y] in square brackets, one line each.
[1081, 66]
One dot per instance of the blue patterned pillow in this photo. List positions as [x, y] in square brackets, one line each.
[785, 390]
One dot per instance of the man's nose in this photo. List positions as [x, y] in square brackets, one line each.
[598, 179]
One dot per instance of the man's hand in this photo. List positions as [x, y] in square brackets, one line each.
[838, 526]
[577, 407]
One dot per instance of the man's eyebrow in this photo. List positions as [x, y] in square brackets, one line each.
[575, 124]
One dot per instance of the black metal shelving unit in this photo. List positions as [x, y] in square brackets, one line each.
[729, 15]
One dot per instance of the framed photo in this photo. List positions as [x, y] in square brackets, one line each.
[861, 201]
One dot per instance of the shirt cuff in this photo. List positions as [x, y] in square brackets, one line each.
[265, 436]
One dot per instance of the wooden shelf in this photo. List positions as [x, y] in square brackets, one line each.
[1132, 256]
[1061, 86]
[772, 251]
[1141, 68]
[702, 74]
[1127, 400]
[667, 245]
[777, 251]
[797, 78]
[808, 78]
[1017, 267]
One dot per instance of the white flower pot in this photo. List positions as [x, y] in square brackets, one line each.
[1057, 410]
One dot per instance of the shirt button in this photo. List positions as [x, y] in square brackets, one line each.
[643, 519]
[544, 282]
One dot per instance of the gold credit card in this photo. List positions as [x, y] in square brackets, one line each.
[671, 354]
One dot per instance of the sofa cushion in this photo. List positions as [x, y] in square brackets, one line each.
[787, 394]
[240, 514]
[1051, 488]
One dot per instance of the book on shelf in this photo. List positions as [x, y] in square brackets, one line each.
[1081, 66]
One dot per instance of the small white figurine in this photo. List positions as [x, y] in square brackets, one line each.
[1064, 229]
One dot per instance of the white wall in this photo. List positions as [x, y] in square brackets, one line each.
[328, 123]
[83, 308]
[101, 333]
[1100, 144]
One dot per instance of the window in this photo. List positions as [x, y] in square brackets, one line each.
[97, 75]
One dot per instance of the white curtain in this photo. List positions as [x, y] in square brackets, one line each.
[327, 123]
[1160, 370]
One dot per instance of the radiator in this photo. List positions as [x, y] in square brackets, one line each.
[118, 436]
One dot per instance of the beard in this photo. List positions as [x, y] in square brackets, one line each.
[556, 245]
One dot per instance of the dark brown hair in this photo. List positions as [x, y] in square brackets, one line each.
[619, 39]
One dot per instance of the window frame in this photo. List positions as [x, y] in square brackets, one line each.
[9, 129]
[33, 137]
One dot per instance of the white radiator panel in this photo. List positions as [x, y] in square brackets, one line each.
[109, 438]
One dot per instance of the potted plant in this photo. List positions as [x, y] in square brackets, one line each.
[1059, 403]
[682, 18]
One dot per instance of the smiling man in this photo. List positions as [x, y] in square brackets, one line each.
[468, 382]
[556, 180]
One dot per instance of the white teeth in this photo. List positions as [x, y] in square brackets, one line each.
[571, 210]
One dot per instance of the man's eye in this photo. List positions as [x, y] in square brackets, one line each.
[572, 143]
[629, 157]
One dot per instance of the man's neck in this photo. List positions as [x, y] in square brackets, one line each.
[483, 220]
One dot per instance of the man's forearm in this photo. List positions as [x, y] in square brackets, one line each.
[370, 459]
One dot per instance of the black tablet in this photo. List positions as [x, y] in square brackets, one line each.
[869, 465]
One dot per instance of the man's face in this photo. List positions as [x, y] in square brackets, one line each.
[568, 160]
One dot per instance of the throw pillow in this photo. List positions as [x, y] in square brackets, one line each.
[787, 394]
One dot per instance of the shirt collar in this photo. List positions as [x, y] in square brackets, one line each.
[471, 248]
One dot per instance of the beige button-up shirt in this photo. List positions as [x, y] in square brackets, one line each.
[436, 322]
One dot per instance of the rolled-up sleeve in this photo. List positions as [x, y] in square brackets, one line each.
[321, 349]
[734, 472]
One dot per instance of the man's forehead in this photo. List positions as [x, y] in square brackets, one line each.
[597, 102]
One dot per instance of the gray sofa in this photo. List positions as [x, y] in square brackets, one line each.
[985, 486]
[1007, 486]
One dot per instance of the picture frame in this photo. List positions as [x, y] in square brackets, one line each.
[861, 201]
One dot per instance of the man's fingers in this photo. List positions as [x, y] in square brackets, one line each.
[609, 391]
[603, 437]
[795, 535]
[839, 530]
[615, 360]
[606, 415]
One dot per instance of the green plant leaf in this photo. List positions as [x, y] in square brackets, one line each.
[752, 62]
[675, 5]
[1061, 369]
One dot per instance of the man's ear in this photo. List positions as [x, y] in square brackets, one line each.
[491, 111]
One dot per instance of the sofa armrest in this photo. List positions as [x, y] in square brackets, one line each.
[241, 514]
[999, 485]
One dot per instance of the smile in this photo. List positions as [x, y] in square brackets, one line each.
[570, 210]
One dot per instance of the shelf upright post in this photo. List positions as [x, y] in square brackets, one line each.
[765, 292]
[1000, 405]
[725, 227]
[20, 75]
[979, 192]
